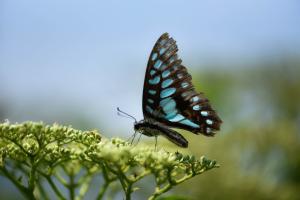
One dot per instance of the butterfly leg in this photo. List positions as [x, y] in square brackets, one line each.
[133, 137]
[139, 139]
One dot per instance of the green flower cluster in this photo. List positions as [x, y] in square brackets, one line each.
[34, 154]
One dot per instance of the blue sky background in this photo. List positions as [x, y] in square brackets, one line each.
[88, 57]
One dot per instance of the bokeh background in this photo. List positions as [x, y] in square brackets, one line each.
[73, 62]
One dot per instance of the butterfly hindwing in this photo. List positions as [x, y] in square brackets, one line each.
[169, 96]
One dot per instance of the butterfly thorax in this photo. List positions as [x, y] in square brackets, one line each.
[147, 128]
[153, 128]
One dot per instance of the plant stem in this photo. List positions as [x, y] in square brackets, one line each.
[26, 192]
[103, 190]
[55, 189]
[71, 187]
[42, 192]
[128, 191]
[85, 186]
[160, 191]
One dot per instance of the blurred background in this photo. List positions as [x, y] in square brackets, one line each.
[74, 62]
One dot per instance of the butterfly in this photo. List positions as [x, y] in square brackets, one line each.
[170, 100]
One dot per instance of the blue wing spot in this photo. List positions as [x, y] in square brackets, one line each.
[152, 72]
[195, 99]
[166, 73]
[180, 76]
[167, 92]
[189, 123]
[170, 115]
[209, 122]
[155, 80]
[157, 64]
[172, 59]
[162, 42]
[168, 105]
[153, 92]
[208, 130]
[177, 118]
[162, 51]
[149, 109]
[164, 101]
[186, 93]
[166, 83]
[204, 113]
[154, 56]
[184, 84]
[175, 67]
[150, 101]
[196, 107]
[163, 67]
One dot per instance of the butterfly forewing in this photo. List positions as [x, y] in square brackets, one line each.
[169, 96]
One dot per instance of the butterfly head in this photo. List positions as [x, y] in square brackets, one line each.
[141, 127]
[138, 126]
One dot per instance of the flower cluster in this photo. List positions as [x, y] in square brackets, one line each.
[54, 153]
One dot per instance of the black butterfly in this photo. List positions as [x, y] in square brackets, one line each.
[170, 100]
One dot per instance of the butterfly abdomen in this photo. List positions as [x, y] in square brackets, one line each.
[154, 129]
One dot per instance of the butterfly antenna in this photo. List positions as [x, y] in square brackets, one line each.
[124, 113]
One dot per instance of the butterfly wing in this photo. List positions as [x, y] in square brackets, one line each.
[169, 96]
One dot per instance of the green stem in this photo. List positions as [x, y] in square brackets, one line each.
[103, 190]
[85, 185]
[159, 191]
[31, 182]
[107, 181]
[128, 191]
[55, 189]
[125, 182]
[71, 187]
[61, 180]
[25, 191]
[42, 192]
